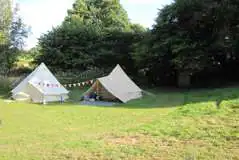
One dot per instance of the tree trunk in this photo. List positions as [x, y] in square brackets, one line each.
[184, 80]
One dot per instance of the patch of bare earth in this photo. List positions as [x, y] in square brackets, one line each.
[156, 147]
[145, 139]
[122, 140]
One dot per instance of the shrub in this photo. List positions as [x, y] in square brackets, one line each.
[20, 71]
[5, 85]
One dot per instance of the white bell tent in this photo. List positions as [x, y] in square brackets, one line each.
[40, 86]
[116, 86]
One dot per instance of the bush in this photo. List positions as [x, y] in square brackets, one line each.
[5, 85]
[20, 71]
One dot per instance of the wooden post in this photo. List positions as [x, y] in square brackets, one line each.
[62, 100]
[97, 87]
[44, 102]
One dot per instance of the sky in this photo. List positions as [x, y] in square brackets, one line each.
[42, 15]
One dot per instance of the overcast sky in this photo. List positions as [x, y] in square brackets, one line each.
[42, 15]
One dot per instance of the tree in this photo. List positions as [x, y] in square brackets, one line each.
[108, 14]
[12, 34]
[189, 36]
[95, 33]
[5, 24]
[5, 20]
[69, 46]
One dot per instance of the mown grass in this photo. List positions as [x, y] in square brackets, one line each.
[176, 125]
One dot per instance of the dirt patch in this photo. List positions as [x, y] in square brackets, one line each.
[142, 139]
[123, 140]
[195, 142]
[5, 147]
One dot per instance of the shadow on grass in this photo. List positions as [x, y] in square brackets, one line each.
[177, 97]
[172, 97]
[160, 98]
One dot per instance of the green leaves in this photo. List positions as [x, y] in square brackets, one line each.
[95, 33]
[12, 34]
[189, 37]
[108, 14]
[5, 21]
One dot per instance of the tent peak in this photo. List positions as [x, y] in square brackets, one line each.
[118, 66]
[42, 64]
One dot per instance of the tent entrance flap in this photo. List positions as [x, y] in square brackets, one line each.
[101, 91]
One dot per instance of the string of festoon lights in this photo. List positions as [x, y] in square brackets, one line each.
[54, 85]
[46, 84]
[80, 84]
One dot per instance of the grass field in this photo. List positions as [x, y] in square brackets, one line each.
[175, 125]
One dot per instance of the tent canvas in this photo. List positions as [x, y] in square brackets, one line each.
[36, 87]
[116, 86]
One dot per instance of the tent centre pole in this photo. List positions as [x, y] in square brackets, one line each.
[97, 87]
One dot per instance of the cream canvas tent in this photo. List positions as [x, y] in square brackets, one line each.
[39, 87]
[116, 86]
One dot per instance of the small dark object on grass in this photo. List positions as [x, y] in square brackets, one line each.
[98, 98]
[93, 95]
[218, 102]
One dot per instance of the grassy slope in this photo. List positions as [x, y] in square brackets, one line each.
[170, 125]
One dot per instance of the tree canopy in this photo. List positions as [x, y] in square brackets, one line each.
[191, 38]
[95, 33]
[12, 34]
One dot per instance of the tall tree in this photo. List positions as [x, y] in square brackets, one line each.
[94, 33]
[5, 25]
[69, 46]
[107, 13]
[192, 35]
[12, 34]
[5, 20]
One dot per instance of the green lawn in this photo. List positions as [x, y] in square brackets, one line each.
[176, 125]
